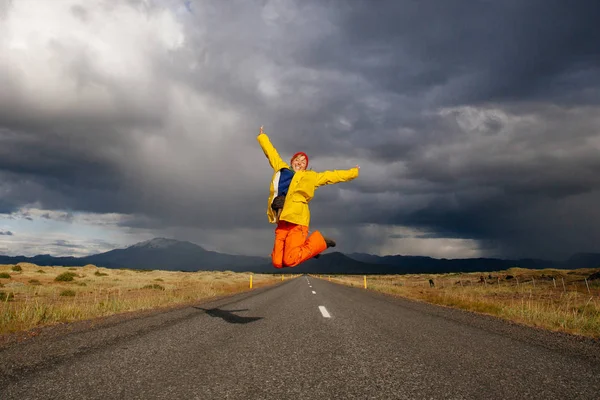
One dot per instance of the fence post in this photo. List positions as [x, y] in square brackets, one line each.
[554, 281]
[588, 286]
[250, 281]
[365, 281]
[533, 280]
[563, 282]
[517, 278]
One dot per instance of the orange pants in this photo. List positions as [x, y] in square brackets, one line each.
[292, 246]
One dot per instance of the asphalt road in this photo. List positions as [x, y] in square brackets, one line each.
[304, 339]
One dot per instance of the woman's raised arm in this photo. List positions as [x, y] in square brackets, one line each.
[272, 155]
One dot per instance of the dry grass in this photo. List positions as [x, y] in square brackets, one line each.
[33, 297]
[533, 297]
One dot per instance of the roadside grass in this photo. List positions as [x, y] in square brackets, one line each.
[35, 297]
[557, 300]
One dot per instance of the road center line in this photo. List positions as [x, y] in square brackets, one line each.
[324, 312]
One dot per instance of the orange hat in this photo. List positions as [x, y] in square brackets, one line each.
[300, 153]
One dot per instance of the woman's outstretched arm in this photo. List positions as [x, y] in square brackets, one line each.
[336, 176]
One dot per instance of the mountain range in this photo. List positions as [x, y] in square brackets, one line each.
[175, 255]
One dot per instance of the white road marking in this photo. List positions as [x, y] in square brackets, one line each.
[314, 292]
[324, 312]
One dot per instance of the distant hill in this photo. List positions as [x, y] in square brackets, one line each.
[175, 255]
[158, 253]
[417, 264]
[42, 259]
[583, 260]
[337, 263]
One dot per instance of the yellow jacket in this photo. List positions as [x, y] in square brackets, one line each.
[302, 188]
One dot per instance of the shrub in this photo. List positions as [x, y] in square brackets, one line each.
[159, 279]
[81, 283]
[98, 273]
[73, 268]
[6, 296]
[154, 286]
[65, 277]
[35, 282]
[4, 275]
[68, 293]
[40, 271]
[17, 268]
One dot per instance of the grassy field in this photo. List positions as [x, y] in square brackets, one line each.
[558, 300]
[33, 296]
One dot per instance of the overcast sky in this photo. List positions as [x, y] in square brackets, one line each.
[476, 123]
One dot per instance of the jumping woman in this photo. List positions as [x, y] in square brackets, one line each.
[292, 188]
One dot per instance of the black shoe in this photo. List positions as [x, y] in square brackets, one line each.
[329, 242]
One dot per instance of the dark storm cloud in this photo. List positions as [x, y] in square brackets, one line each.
[63, 217]
[6, 233]
[477, 50]
[7, 207]
[470, 119]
